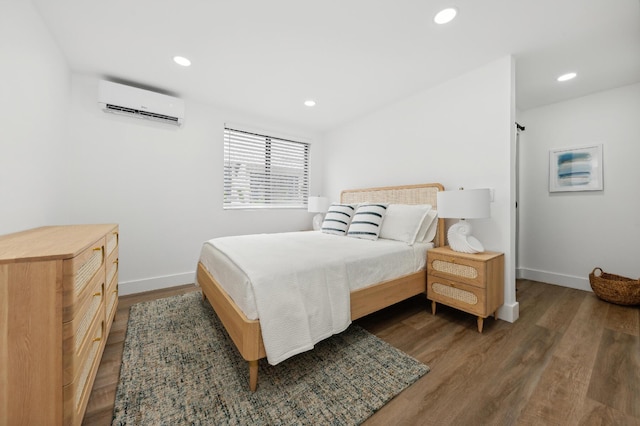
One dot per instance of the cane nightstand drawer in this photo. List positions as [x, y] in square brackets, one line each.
[462, 296]
[466, 270]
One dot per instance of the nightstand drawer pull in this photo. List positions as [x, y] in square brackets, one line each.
[455, 293]
[455, 269]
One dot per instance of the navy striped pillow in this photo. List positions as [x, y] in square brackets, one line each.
[367, 221]
[338, 218]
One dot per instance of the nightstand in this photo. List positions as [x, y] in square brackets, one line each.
[473, 283]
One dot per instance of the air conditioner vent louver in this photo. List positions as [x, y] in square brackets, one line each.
[144, 114]
[133, 102]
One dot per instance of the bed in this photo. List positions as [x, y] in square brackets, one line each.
[243, 325]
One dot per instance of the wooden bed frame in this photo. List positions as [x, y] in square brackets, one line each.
[246, 333]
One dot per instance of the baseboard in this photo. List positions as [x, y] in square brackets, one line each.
[570, 281]
[509, 313]
[155, 283]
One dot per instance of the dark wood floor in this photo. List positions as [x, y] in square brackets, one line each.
[570, 359]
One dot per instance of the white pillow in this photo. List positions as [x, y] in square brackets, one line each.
[338, 218]
[403, 221]
[428, 228]
[367, 221]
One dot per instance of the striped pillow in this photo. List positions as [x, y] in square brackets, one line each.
[367, 221]
[338, 218]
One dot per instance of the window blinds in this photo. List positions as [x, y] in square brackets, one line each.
[264, 171]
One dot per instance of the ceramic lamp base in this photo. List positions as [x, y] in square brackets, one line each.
[317, 221]
[460, 238]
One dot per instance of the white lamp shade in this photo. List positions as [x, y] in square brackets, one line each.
[464, 204]
[317, 204]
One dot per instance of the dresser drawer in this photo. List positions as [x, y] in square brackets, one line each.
[79, 275]
[469, 271]
[112, 304]
[459, 295]
[112, 268]
[76, 393]
[112, 241]
[76, 334]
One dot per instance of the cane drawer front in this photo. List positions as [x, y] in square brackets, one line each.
[76, 393]
[111, 299]
[78, 332]
[468, 298]
[111, 306]
[457, 268]
[112, 241]
[80, 274]
[112, 269]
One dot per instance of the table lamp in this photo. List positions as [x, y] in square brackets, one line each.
[464, 204]
[318, 205]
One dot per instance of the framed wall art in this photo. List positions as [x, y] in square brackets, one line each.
[576, 169]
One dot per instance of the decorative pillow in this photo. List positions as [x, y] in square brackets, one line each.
[338, 218]
[367, 221]
[402, 222]
[428, 228]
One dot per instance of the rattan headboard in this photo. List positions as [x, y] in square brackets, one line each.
[406, 194]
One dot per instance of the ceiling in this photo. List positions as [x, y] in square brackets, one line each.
[265, 58]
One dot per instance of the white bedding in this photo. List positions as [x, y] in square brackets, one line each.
[298, 283]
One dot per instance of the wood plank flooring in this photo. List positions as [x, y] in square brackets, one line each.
[570, 359]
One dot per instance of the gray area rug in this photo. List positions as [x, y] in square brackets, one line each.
[180, 367]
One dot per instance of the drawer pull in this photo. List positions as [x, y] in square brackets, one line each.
[97, 249]
[97, 339]
[97, 294]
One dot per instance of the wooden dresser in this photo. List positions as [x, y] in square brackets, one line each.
[58, 298]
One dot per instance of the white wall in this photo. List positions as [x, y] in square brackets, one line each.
[34, 90]
[64, 161]
[563, 236]
[458, 134]
[162, 184]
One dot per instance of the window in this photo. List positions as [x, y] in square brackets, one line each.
[264, 171]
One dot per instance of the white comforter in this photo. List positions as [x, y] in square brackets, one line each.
[301, 281]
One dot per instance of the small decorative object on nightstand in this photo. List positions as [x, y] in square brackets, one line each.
[473, 283]
[464, 204]
[318, 205]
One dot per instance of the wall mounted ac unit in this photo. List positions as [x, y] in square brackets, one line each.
[131, 101]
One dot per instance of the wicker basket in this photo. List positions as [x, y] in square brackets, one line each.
[614, 288]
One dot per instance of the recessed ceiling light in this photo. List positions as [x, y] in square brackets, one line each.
[567, 76]
[181, 60]
[310, 102]
[445, 15]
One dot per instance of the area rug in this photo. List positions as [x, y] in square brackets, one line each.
[180, 367]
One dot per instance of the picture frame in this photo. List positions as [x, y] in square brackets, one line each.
[576, 169]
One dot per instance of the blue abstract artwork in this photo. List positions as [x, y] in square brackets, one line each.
[576, 169]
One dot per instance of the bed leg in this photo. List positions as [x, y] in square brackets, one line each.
[253, 375]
